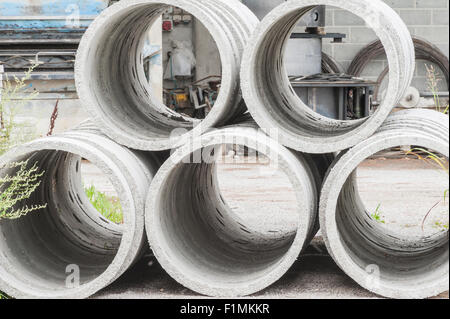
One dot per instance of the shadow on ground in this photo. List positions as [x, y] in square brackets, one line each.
[315, 276]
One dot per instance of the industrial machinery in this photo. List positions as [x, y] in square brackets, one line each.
[346, 96]
[337, 95]
[44, 35]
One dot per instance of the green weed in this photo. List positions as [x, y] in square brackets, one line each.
[109, 207]
[442, 226]
[377, 215]
[18, 187]
[432, 159]
[433, 83]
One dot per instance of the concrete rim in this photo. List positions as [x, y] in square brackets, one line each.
[133, 227]
[305, 210]
[309, 136]
[228, 37]
[391, 136]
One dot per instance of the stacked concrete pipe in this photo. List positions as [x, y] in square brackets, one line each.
[194, 234]
[201, 242]
[112, 85]
[44, 251]
[390, 264]
[272, 101]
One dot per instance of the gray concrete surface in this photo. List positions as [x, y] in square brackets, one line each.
[272, 102]
[116, 93]
[315, 276]
[391, 262]
[67, 249]
[204, 244]
[430, 21]
[267, 190]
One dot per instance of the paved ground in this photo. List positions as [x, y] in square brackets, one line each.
[405, 189]
[314, 276]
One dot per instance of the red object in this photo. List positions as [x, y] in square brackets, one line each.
[167, 25]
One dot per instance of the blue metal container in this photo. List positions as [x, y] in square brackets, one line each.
[45, 33]
[47, 20]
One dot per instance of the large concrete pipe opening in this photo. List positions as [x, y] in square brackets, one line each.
[389, 261]
[101, 192]
[112, 84]
[272, 100]
[408, 171]
[68, 249]
[206, 245]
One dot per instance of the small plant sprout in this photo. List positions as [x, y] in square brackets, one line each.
[13, 96]
[15, 188]
[26, 178]
[377, 215]
[108, 206]
[433, 86]
[432, 159]
[442, 226]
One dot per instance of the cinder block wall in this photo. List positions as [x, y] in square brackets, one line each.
[427, 19]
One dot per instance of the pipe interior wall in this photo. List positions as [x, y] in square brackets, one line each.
[40, 248]
[391, 264]
[202, 243]
[272, 101]
[110, 76]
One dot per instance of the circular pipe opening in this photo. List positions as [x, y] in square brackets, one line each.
[389, 262]
[67, 249]
[112, 83]
[211, 249]
[405, 191]
[274, 103]
[402, 260]
[101, 193]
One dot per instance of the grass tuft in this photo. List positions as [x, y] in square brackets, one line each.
[433, 85]
[108, 206]
[377, 215]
